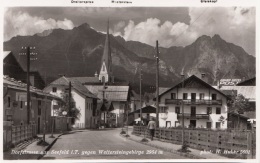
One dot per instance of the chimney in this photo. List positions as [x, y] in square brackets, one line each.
[203, 77]
[96, 74]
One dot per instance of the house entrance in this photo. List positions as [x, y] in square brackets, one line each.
[39, 125]
[192, 123]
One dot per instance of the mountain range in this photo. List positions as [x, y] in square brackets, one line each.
[78, 52]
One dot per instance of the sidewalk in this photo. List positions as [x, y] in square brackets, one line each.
[30, 151]
[194, 154]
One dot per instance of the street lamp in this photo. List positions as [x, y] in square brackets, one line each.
[182, 106]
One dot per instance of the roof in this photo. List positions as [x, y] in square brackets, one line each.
[246, 91]
[75, 84]
[111, 93]
[229, 92]
[6, 53]
[188, 81]
[18, 85]
[86, 80]
[240, 115]
[250, 114]
[146, 109]
[249, 82]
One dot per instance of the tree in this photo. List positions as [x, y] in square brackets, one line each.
[73, 111]
[238, 104]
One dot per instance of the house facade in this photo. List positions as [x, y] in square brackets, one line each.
[84, 100]
[15, 105]
[203, 105]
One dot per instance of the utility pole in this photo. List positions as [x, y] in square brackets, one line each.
[140, 96]
[28, 58]
[182, 108]
[157, 84]
[44, 129]
[69, 99]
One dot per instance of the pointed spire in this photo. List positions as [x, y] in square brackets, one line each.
[108, 26]
[106, 58]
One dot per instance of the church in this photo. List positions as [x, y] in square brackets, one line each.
[113, 96]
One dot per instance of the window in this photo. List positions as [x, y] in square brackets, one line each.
[201, 96]
[177, 110]
[209, 110]
[209, 124]
[9, 102]
[54, 89]
[138, 115]
[9, 117]
[185, 96]
[217, 124]
[218, 110]
[163, 109]
[173, 95]
[214, 96]
[21, 104]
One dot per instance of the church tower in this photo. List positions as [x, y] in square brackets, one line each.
[105, 74]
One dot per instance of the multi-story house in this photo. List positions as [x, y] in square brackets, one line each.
[203, 105]
[84, 100]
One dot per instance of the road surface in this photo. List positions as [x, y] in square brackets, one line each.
[103, 144]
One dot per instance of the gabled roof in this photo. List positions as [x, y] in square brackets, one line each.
[249, 82]
[189, 80]
[86, 80]
[64, 81]
[18, 85]
[250, 114]
[6, 53]
[111, 93]
[247, 91]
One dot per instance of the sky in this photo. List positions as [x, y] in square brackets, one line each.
[171, 26]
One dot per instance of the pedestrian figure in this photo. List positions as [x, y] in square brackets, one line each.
[151, 127]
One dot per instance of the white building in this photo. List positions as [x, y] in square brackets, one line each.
[85, 101]
[203, 105]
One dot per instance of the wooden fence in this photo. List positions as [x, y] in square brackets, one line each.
[22, 133]
[207, 139]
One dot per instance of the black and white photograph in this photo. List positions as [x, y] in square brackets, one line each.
[129, 83]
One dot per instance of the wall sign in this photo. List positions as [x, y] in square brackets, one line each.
[229, 81]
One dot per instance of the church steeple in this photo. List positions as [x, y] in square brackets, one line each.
[106, 62]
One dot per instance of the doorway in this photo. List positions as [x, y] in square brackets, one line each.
[39, 125]
[193, 111]
[168, 123]
[193, 97]
[193, 123]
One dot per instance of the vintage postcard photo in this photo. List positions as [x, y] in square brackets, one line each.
[129, 83]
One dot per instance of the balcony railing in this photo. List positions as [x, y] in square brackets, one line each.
[193, 116]
[193, 102]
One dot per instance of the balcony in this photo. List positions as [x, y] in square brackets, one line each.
[193, 116]
[193, 102]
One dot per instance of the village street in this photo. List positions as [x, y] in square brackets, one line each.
[95, 144]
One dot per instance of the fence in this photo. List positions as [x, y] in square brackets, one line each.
[207, 139]
[13, 135]
[22, 133]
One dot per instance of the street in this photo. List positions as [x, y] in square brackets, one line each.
[103, 144]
